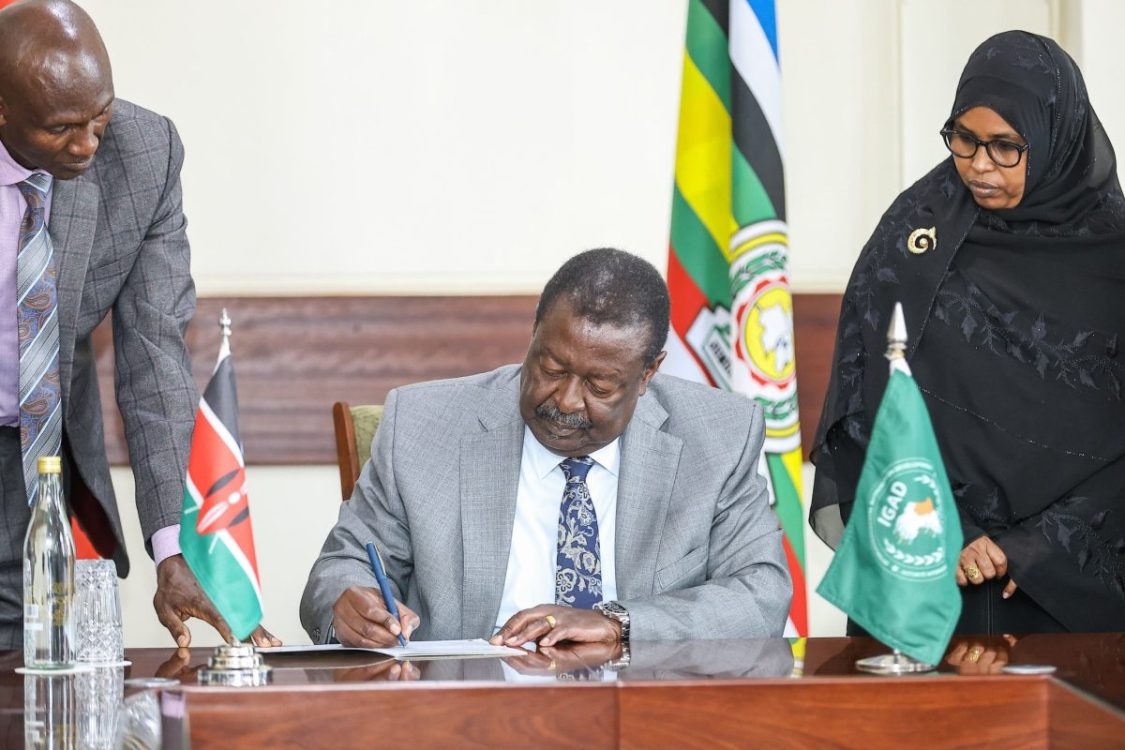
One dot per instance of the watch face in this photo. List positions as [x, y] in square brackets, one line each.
[613, 609]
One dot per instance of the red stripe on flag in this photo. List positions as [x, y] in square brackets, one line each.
[799, 608]
[687, 299]
[243, 535]
[83, 547]
[211, 458]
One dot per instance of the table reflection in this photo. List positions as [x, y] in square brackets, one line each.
[92, 710]
[73, 710]
[1089, 661]
[577, 662]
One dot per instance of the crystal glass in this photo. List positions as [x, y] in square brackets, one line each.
[98, 612]
[97, 698]
[139, 721]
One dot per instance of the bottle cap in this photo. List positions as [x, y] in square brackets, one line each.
[50, 465]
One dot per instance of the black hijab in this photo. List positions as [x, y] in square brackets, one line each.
[1014, 317]
[1071, 170]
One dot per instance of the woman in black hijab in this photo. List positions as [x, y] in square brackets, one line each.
[1009, 260]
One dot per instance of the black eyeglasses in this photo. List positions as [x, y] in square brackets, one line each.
[964, 146]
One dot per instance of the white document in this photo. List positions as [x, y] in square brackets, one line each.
[472, 648]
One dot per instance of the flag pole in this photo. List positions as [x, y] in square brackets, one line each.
[234, 664]
[224, 326]
[896, 336]
[895, 662]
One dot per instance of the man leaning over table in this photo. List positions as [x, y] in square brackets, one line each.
[91, 220]
[580, 496]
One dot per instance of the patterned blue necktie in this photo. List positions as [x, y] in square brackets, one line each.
[37, 318]
[578, 568]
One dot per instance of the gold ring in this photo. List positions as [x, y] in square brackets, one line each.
[551, 621]
[972, 572]
[975, 654]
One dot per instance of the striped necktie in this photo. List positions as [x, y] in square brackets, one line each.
[38, 321]
[578, 565]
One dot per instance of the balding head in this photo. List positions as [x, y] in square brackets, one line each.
[56, 86]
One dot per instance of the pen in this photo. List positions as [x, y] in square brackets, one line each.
[384, 586]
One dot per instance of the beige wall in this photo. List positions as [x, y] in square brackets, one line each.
[377, 146]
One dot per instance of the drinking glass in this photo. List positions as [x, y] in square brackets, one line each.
[98, 612]
[97, 697]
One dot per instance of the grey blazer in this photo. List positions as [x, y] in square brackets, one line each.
[119, 234]
[698, 549]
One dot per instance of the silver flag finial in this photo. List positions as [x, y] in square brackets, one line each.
[896, 334]
[224, 324]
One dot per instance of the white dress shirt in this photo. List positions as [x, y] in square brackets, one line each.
[530, 579]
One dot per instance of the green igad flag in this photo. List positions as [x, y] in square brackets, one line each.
[893, 573]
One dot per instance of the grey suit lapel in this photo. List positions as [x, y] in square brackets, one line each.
[74, 218]
[490, 465]
[649, 460]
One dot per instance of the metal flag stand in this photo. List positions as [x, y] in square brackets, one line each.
[234, 664]
[894, 663]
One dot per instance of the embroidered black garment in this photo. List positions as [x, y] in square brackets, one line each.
[1016, 319]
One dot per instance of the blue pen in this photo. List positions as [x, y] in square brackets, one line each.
[384, 586]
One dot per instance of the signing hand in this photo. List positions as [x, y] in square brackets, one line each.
[179, 597]
[549, 624]
[360, 618]
[983, 560]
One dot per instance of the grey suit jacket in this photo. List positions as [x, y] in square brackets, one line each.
[119, 235]
[698, 549]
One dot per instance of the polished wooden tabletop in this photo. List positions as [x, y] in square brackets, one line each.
[802, 693]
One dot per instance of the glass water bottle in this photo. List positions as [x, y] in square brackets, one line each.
[48, 576]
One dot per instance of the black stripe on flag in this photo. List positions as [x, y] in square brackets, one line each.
[720, 10]
[754, 138]
[222, 397]
[221, 482]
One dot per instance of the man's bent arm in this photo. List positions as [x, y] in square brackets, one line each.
[747, 589]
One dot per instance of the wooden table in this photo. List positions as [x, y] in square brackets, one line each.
[699, 694]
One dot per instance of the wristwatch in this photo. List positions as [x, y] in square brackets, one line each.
[615, 611]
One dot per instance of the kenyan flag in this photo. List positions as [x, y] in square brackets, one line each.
[215, 533]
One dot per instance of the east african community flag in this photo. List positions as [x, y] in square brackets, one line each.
[215, 533]
[732, 312]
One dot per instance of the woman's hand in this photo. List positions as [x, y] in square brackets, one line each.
[980, 655]
[983, 560]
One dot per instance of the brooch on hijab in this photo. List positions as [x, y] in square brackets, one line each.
[921, 240]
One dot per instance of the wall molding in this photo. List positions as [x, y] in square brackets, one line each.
[295, 356]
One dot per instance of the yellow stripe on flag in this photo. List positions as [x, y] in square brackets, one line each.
[765, 239]
[792, 461]
[781, 432]
[703, 154]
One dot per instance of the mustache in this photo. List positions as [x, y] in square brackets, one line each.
[574, 420]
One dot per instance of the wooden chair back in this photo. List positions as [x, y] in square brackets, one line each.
[355, 428]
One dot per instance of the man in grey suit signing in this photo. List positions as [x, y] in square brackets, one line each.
[578, 497]
[91, 220]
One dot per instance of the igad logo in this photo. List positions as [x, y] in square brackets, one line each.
[903, 520]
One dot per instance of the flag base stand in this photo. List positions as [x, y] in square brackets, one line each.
[895, 663]
[235, 666]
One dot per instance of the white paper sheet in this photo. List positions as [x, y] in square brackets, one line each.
[472, 648]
